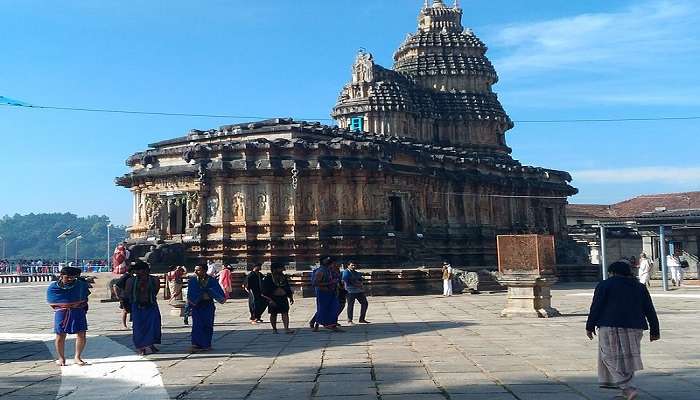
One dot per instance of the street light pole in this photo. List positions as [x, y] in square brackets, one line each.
[77, 242]
[109, 248]
[662, 256]
[603, 255]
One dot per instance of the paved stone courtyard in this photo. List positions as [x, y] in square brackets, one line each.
[423, 347]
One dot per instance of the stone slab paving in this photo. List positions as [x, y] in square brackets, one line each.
[423, 347]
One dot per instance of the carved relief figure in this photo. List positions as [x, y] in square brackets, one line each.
[213, 206]
[153, 206]
[238, 205]
[262, 203]
[288, 205]
[193, 214]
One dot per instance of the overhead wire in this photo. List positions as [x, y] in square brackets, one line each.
[257, 117]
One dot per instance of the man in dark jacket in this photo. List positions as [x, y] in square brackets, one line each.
[620, 310]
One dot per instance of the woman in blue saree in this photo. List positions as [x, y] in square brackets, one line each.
[325, 281]
[202, 291]
[69, 299]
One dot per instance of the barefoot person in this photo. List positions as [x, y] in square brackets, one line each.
[278, 293]
[620, 310]
[202, 291]
[69, 298]
[325, 281]
[142, 290]
[253, 285]
[119, 290]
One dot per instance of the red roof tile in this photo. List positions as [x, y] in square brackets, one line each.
[637, 206]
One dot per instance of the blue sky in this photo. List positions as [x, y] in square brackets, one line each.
[556, 60]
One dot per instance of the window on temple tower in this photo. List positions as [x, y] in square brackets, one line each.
[356, 124]
[397, 219]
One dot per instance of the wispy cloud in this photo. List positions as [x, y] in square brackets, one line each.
[636, 35]
[668, 175]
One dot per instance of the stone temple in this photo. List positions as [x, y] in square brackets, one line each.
[417, 171]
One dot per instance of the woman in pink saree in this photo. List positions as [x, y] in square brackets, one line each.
[225, 281]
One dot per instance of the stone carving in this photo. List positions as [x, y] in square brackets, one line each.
[213, 206]
[194, 215]
[238, 205]
[363, 70]
[288, 205]
[262, 203]
[140, 209]
[153, 207]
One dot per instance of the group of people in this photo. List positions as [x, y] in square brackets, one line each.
[644, 267]
[137, 291]
[621, 310]
[333, 288]
[34, 267]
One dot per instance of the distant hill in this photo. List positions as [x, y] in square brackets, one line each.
[34, 236]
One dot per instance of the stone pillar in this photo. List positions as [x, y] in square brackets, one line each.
[526, 265]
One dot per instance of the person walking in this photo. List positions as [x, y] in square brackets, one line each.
[69, 299]
[325, 282]
[176, 278]
[447, 275]
[143, 290]
[279, 294]
[621, 310]
[119, 290]
[202, 291]
[674, 264]
[254, 285]
[354, 285]
[645, 268]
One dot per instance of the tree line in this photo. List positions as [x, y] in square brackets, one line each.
[34, 236]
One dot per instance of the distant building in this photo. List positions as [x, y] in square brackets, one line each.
[634, 226]
[417, 172]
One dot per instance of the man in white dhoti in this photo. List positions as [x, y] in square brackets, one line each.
[645, 266]
[447, 275]
[674, 264]
[620, 310]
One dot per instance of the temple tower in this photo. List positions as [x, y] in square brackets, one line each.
[438, 92]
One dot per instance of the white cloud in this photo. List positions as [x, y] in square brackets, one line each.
[669, 175]
[634, 36]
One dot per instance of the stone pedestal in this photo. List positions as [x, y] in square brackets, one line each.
[526, 264]
[177, 308]
[529, 296]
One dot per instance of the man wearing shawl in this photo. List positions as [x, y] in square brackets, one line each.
[69, 298]
[142, 291]
[325, 281]
[202, 291]
[256, 303]
[621, 310]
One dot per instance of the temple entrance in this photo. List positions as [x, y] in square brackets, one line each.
[396, 210]
[177, 216]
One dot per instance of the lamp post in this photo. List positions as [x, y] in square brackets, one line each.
[109, 248]
[3, 248]
[77, 243]
[65, 236]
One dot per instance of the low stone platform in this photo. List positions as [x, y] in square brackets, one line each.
[417, 347]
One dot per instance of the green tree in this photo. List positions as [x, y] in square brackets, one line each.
[34, 236]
